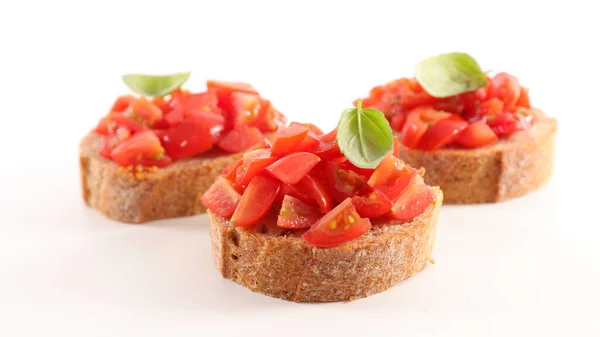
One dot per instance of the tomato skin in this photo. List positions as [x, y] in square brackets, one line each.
[245, 108]
[122, 103]
[442, 133]
[126, 122]
[328, 147]
[342, 183]
[253, 163]
[230, 87]
[269, 119]
[374, 205]
[288, 137]
[296, 214]
[263, 144]
[397, 122]
[186, 139]
[221, 198]
[317, 191]
[523, 100]
[142, 148]
[508, 123]
[340, 225]
[230, 171]
[491, 107]
[144, 112]
[238, 140]
[413, 130]
[415, 199]
[391, 177]
[506, 88]
[256, 201]
[365, 172]
[214, 122]
[291, 168]
[397, 147]
[476, 135]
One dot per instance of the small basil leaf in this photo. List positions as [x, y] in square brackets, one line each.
[155, 85]
[450, 74]
[364, 136]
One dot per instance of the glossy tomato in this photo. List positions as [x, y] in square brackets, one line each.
[186, 139]
[328, 147]
[144, 112]
[507, 123]
[506, 88]
[256, 201]
[317, 191]
[442, 133]
[291, 168]
[253, 163]
[245, 108]
[122, 103]
[417, 122]
[476, 135]
[238, 140]
[223, 90]
[340, 225]
[342, 183]
[523, 100]
[373, 205]
[269, 119]
[214, 122]
[221, 198]
[288, 138]
[296, 214]
[230, 171]
[391, 177]
[413, 201]
[143, 149]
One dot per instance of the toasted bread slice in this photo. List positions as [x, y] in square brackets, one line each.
[281, 264]
[169, 192]
[508, 168]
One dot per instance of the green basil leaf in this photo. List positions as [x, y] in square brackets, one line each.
[155, 85]
[364, 136]
[450, 74]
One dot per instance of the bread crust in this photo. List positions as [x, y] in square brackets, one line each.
[509, 168]
[169, 192]
[286, 266]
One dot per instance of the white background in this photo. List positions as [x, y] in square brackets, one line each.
[527, 266]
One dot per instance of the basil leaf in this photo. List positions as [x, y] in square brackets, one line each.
[450, 74]
[155, 85]
[364, 136]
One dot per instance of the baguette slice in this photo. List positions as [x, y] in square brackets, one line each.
[509, 168]
[281, 264]
[169, 192]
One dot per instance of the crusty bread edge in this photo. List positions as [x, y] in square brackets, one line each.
[289, 268]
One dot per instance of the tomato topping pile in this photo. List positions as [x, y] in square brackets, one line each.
[469, 120]
[148, 133]
[304, 178]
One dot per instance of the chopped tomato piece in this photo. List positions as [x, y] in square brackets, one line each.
[200, 102]
[397, 146]
[126, 122]
[391, 176]
[476, 135]
[397, 122]
[186, 139]
[328, 146]
[314, 129]
[177, 104]
[506, 88]
[415, 199]
[417, 123]
[263, 144]
[256, 201]
[310, 143]
[221, 198]
[523, 100]
[508, 123]
[230, 171]
[162, 104]
[491, 107]
[373, 205]
[245, 108]
[312, 187]
[297, 214]
[214, 122]
[442, 133]
[142, 148]
[338, 226]
[122, 103]
[144, 112]
[296, 192]
[253, 162]
[268, 119]
[230, 87]
[291, 168]
[366, 172]
[342, 183]
[238, 140]
[288, 137]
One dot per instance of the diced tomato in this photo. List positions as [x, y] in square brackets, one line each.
[268, 119]
[413, 130]
[230, 87]
[507, 123]
[126, 122]
[391, 176]
[523, 100]
[177, 108]
[415, 199]
[291, 168]
[162, 104]
[263, 144]
[366, 172]
[296, 192]
[491, 107]
[221, 198]
[442, 133]
[122, 103]
[506, 88]
[142, 148]
[214, 122]
[373, 205]
[144, 112]
[113, 139]
[314, 188]
[314, 129]
[340, 225]
[253, 162]
[230, 171]
[200, 102]
[310, 143]
[103, 125]
[476, 135]
[342, 183]
[245, 108]
[328, 146]
[452, 104]
[397, 122]
[296, 214]
[288, 137]
[397, 146]
[256, 201]
[238, 140]
[186, 139]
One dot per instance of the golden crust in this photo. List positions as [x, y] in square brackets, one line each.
[287, 267]
[169, 192]
[509, 168]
